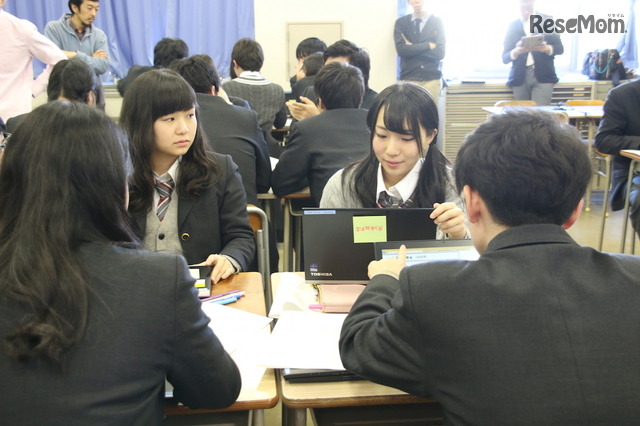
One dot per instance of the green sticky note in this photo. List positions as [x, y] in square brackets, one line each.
[369, 229]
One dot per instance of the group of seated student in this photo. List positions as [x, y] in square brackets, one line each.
[90, 325]
[539, 330]
[71, 80]
[340, 51]
[304, 49]
[320, 145]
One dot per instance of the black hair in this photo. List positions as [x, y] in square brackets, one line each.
[248, 54]
[152, 95]
[358, 57]
[62, 184]
[199, 71]
[527, 166]
[312, 64]
[339, 85]
[74, 80]
[308, 46]
[407, 108]
[77, 3]
[168, 50]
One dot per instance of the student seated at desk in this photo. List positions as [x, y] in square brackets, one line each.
[538, 330]
[404, 167]
[184, 199]
[91, 326]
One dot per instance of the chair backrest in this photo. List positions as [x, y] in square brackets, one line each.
[260, 225]
[513, 102]
[584, 102]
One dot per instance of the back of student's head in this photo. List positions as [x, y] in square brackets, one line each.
[199, 71]
[339, 85]
[74, 80]
[63, 183]
[312, 64]
[355, 55]
[527, 166]
[152, 95]
[248, 54]
[308, 46]
[168, 50]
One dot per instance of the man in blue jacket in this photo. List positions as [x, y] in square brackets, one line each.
[76, 35]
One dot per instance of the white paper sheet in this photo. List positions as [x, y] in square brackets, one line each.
[304, 340]
[233, 326]
[293, 294]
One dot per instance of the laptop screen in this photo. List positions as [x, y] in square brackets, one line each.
[338, 243]
[427, 250]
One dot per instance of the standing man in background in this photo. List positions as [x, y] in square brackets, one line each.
[420, 43]
[533, 72]
[21, 42]
[75, 34]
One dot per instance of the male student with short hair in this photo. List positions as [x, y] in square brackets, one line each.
[321, 145]
[538, 330]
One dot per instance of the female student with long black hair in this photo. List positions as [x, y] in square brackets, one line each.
[404, 167]
[90, 326]
[183, 199]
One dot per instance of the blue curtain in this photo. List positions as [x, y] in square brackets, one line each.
[134, 27]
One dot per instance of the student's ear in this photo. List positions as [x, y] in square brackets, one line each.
[91, 98]
[430, 138]
[574, 216]
[75, 9]
[321, 106]
[473, 203]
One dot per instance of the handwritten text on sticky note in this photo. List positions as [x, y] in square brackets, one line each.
[369, 229]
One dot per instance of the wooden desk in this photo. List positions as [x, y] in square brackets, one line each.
[297, 397]
[634, 156]
[255, 398]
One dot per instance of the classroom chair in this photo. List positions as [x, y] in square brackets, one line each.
[260, 225]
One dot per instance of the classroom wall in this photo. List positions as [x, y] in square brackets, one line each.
[368, 23]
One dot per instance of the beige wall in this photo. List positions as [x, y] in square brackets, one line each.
[368, 23]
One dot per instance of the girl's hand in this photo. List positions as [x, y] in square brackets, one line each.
[450, 220]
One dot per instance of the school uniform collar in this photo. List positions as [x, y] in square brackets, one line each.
[173, 170]
[404, 189]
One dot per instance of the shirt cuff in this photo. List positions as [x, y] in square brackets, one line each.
[233, 262]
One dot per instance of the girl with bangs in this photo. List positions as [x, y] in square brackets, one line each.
[183, 199]
[404, 168]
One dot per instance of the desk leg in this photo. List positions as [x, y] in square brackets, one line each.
[257, 418]
[626, 207]
[294, 416]
[287, 240]
[590, 136]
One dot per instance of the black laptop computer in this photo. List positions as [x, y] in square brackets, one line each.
[338, 243]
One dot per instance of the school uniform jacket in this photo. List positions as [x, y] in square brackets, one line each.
[538, 331]
[418, 61]
[144, 324]
[318, 147]
[234, 131]
[620, 129]
[544, 68]
[214, 222]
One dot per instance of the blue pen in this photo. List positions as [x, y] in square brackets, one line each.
[225, 301]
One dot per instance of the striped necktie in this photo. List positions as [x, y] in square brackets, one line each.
[386, 201]
[164, 185]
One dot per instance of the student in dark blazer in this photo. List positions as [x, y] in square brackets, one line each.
[207, 219]
[533, 72]
[538, 330]
[90, 325]
[319, 146]
[230, 129]
[620, 129]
